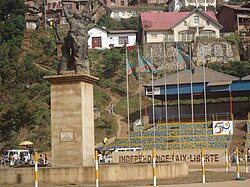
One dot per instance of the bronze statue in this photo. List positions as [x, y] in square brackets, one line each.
[76, 43]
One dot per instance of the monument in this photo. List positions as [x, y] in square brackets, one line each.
[72, 114]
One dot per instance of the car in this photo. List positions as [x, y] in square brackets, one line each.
[16, 153]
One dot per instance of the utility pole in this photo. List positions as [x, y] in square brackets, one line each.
[45, 20]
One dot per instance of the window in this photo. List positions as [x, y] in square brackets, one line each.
[153, 1]
[69, 7]
[196, 20]
[112, 2]
[169, 37]
[185, 23]
[185, 37]
[53, 5]
[116, 14]
[123, 40]
[154, 36]
[122, 3]
[49, 5]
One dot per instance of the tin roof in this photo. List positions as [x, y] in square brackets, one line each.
[246, 78]
[167, 20]
[236, 7]
[211, 76]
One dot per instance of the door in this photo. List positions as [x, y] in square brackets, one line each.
[96, 42]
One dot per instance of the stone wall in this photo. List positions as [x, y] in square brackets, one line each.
[84, 175]
[214, 52]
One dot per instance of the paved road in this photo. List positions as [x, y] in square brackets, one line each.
[235, 183]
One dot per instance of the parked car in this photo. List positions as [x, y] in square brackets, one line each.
[16, 156]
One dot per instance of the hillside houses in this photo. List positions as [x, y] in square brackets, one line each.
[155, 24]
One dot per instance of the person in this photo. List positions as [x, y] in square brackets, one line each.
[111, 109]
[22, 156]
[234, 156]
[100, 156]
[40, 159]
[31, 152]
[15, 158]
[45, 159]
[11, 160]
[105, 141]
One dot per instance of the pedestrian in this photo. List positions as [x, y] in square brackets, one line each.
[105, 141]
[11, 160]
[111, 108]
[234, 156]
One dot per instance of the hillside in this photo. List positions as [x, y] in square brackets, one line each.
[38, 58]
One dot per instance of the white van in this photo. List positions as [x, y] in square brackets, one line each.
[16, 155]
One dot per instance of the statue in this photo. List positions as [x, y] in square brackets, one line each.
[75, 45]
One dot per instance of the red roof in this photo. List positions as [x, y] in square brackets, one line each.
[166, 20]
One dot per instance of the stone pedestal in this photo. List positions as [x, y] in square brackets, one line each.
[72, 120]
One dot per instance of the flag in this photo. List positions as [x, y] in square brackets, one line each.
[131, 69]
[184, 60]
[146, 66]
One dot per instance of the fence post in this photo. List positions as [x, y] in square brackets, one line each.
[246, 164]
[96, 169]
[202, 165]
[36, 170]
[226, 160]
[154, 168]
[237, 163]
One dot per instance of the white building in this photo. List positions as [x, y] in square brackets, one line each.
[176, 5]
[101, 38]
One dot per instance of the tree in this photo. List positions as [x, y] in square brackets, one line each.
[235, 68]
[11, 8]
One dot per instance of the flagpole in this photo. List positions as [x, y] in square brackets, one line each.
[178, 95]
[138, 51]
[127, 98]
[191, 87]
[166, 99]
[153, 97]
[204, 88]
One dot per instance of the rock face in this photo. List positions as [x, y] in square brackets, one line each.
[214, 52]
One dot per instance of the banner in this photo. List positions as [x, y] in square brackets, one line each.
[222, 127]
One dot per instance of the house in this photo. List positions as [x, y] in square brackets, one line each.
[176, 5]
[133, 11]
[101, 38]
[147, 2]
[116, 3]
[98, 38]
[32, 14]
[177, 26]
[234, 18]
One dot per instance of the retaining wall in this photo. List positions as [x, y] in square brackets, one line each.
[107, 173]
